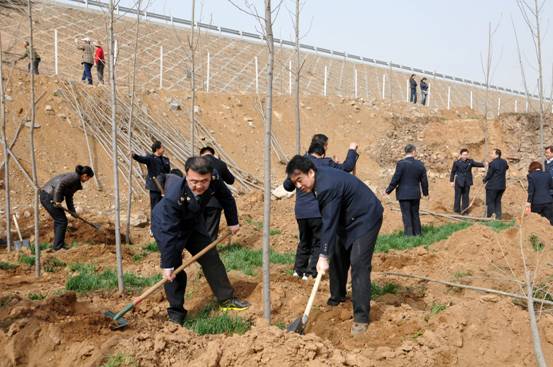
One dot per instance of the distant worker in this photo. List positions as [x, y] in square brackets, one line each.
[177, 224]
[461, 180]
[34, 61]
[496, 182]
[351, 219]
[158, 165]
[424, 90]
[99, 61]
[548, 164]
[413, 86]
[59, 188]
[540, 185]
[409, 180]
[308, 215]
[213, 210]
[87, 58]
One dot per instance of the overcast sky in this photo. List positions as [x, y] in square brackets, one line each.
[443, 35]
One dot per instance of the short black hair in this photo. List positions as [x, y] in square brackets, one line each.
[320, 138]
[300, 163]
[207, 150]
[412, 75]
[497, 152]
[177, 172]
[155, 146]
[463, 150]
[317, 148]
[84, 170]
[200, 165]
[410, 148]
[550, 148]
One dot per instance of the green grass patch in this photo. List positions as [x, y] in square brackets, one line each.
[26, 259]
[274, 231]
[120, 360]
[541, 292]
[462, 274]
[42, 246]
[430, 235]
[88, 279]
[36, 296]
[151, 247]
[281, 325]
[437, 308]
[379, 290]
[146, 250]
[238, 257]
[259, 226]
[417, 334]
[209, 321]
[498, 225]
[536, 243]
[53, 264]
[7, 266]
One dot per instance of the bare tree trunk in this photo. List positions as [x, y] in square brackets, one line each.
[536, 339]
[129, 127]
[297, 80]
[537, 10]
[522, 73]
[487, 72]
[32, 142]
[6, 156]
[267, 163]
[120, 284]
[193, 80]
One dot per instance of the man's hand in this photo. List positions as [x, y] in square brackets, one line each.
[353, 146]
[168, 274]
[527, 210]
[234, 229]
[322, 264]
[452, 184]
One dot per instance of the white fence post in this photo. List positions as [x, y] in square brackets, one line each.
[428, 96]
[325, 80]
[516, 105]
[56, 51]
[527, 105]
[208, 76]
[160, 67]
[407, 91]
[449, 98]
[383, 86]
[355, 82]
[498, 105]
[366, 83]
[256, 76]
[471, 100]
[86, 3]
[290, 77]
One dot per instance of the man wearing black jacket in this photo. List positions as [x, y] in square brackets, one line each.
[157, 165]
[214, 208]
[548, 164]
[178, 223]
[307, 210]
[496, 182]
[351, 220]
[461, 180]
[408, 181]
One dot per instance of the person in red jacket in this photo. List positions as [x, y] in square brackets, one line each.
[99, 61]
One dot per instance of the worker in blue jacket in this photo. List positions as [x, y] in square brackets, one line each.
[351, 219]
[178, 223]
[540, 184]
[461, 179]
[548, 163]
[496, 183]
[307, 211]
[409, 180]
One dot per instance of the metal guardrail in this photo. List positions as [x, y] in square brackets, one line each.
[309, 48]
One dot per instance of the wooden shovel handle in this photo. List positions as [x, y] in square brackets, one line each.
[17, 227]
[193, 259]
[313, 294]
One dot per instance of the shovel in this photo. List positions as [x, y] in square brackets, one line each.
[93, 225]
[119, 322]
[298, 326]
[21, 243]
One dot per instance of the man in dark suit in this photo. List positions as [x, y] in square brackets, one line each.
[408, 181]
[496, 182]
[158, 165]
[213, 209]
[307, 210]
[548, 164]
[178, 224]
[461, 179]
[351, 220]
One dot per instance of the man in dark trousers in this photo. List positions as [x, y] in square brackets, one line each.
[408, 181]
[461, 180]
[307, 210]
[178, 223]
[413, 87]
[548, 164]
[496, 182]
[214, 208]
[158, 165]
[351, 220]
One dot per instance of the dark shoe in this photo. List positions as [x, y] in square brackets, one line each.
[335, 302]
[64, 247]
[176, 317]
[234, 304]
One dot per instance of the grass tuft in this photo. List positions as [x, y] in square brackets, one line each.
[430, 235]
[209, 321]
[237, 257]
[379, 290]
[26, 259]
[151, 247]
[42, 246]
[437, 308]
[53, 264]
[536, 243]
[120, 360]
[36, 296]
[7, 266]
[499, 226]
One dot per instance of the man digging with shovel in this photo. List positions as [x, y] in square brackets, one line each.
[178, 223]
[351, 219]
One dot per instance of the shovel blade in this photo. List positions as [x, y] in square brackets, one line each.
[20, 244]
[297, 326]
[119, 323]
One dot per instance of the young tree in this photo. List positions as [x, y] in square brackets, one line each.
[192, 46]
[487, 70]
[32, 140]
[521, 64]
[297, 72]
[6, 156]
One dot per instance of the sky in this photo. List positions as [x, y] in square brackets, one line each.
[447, 36]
